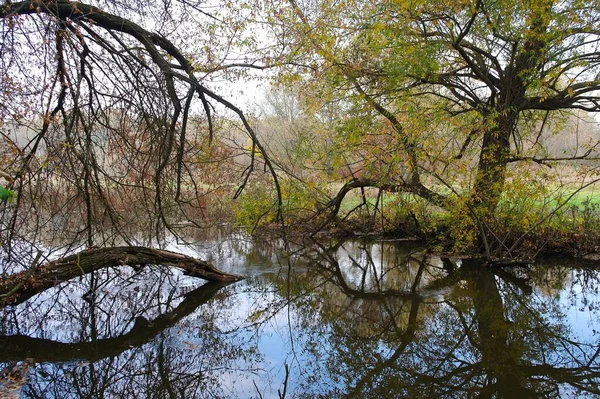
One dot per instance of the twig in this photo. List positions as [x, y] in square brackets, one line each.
[25, 278]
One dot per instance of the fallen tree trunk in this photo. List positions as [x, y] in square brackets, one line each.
[19, 287]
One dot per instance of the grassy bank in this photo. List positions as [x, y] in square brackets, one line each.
[527, 220]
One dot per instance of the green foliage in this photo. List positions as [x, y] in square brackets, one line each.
[258, 204]
[463, 227]
[411, 214]
[521, 204]
[581, 215]
[299, 199]
[447, 98]
[435, 101]
[7, 195]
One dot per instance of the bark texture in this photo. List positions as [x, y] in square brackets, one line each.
[19, 287]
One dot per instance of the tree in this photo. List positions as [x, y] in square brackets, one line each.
[102, 79]
[463, 87]
[102, 120]
[441, 101]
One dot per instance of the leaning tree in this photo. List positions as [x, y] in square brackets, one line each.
[464, 91]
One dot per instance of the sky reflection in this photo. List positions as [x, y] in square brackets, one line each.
[357, 319]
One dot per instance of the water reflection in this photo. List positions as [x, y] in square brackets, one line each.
[357, 319]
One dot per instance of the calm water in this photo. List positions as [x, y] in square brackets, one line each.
[354, 319]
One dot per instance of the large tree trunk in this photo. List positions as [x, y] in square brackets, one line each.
[490, 179]
[21, 286]
[503, 115]
[491, 172]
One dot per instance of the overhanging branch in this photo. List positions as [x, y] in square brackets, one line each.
[420, 190]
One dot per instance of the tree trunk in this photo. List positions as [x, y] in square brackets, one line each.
[489, 181]
[19, 287]
[491, 172]
[503, 117]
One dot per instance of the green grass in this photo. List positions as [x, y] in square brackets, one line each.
[586, 199]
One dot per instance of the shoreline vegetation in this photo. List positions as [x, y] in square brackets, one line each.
[567, 223]
[471, 126]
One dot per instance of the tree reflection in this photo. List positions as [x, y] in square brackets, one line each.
[169, 350]
[357, 319]
[473, 332]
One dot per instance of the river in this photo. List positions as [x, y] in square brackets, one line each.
[361, 318]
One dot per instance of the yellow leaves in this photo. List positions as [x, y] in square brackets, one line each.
[48, 118]
[75, 8]
[256, 315]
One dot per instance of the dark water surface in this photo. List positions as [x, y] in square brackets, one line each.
[355, 319]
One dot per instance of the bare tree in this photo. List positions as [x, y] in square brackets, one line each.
[102, 119]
